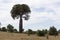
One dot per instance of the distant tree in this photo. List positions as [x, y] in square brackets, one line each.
[33, 32]
[53, 31]
[10, 28]
[46, 31]
[18, 11]
[29, 32]
[3, 29]
[15, 30]
[40, 33]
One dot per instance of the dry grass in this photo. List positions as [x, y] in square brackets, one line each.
[17, 36]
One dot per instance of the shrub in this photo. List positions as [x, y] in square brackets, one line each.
[29, 32]
[10, 28]
[3, 29]
[46, 31]
[15, 31]
[40, 33]
[33, 32]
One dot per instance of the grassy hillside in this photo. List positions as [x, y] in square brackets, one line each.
[18, 36]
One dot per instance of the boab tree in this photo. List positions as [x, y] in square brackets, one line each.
[20, 11]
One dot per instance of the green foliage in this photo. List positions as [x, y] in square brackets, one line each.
[40, 33]
[33, 32]
[15, 31]
[45, 31]
[3, 29]
[10, 28]
[53, 31]
[18, 10]
[29, 32]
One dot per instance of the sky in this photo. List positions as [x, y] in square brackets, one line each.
[44, 14]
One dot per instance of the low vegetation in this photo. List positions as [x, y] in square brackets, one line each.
[52, 31]
[40, 33]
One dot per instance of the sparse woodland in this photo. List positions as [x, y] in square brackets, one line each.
[22, 11]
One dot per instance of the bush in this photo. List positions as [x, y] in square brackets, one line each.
[29, 32]
[46, 31]
[3, 29]
[15, 31]
[10, 28]
[40, 33]
[53, 31]
[33, 32]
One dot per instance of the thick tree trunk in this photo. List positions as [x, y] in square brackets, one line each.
[20, 25]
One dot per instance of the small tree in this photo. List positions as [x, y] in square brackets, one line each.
[53, 31]
[29, 32]
[40, 33]
[10, 28]
[3, 29]
[15, 30]
[33, 32]
[46, 31]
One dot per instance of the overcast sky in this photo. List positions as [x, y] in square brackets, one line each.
[44, 13]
